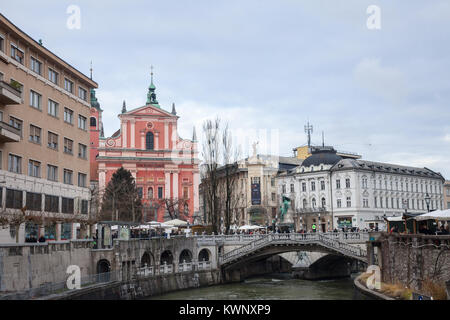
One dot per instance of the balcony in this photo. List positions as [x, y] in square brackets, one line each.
[9, 94]
[312, 210]
[8, 133]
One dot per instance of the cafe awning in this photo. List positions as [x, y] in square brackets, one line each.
[441, 215]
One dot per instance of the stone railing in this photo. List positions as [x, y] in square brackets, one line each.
[350, 237]
[323, 240]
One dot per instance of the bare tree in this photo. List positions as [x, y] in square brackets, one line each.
[210, 179]
[230, 156]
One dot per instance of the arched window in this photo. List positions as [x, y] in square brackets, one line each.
[150, 193]
[323, 203]
[93, 122]
[149, 141]
[304, 204]
[313, 202]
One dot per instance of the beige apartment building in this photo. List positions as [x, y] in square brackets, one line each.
[44, 140]
[447, 194]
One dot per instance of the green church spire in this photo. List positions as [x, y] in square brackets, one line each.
[151, 95]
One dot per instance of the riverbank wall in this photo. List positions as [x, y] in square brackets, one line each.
[142, 287]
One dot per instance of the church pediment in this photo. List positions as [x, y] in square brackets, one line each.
[150, 111]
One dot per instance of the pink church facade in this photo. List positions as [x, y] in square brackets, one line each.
[164, 165]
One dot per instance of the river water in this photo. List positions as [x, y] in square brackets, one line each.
[270, 287]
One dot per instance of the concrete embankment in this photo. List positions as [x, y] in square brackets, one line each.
[143, 287]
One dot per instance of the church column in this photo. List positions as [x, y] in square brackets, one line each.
[123, 131]
[143, 139]
[156, 140]
[175, 185]
[167, 185]
[195, 186]
[166, 135]
[132, 133]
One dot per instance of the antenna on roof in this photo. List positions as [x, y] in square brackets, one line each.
[91, 69]
[308, 131]
[323, 140]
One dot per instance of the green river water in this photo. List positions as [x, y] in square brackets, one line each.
[270, 287]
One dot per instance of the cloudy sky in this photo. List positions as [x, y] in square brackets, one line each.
[268, 67]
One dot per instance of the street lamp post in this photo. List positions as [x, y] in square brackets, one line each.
[427, 201]
[319, 224]
[405, 206]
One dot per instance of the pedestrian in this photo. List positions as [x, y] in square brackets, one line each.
[41, 239]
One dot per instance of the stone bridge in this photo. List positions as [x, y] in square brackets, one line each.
[239, 254]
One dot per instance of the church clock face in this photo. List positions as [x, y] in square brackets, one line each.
[149, 125]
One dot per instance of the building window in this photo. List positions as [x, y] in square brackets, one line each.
[51, 203]
[304, 186]
[52, 108]
[17, 54]
[2, 43]
[305, 203]
[339, 203]
[150, 193]
[349, 202]
[375, 202]
[82, 93]
[14, 163]
[272, 182]
[34, 168]
[68, 176]
[82, 153]
[381, 202]
[35, 134]
[68, 146]
[14, 199]
[68, 115]
[52, 140]
[35, 65]
[84, 206]
[292, 187]
[273, 196]
[160, 192]
[16, 123]
[81, 122]
[34, 201]
[283, 188]
[52, 173]
[67, 205]
[93, 122]
[313, 186]
[68, 85]
[149, 141]
[323, 203]
[53, 76]
[313, 203]
[35, 100]
[139, 191]
[365, 203]
[347, 183]
[322, 185]
[82, 179]
[338, 184]
[185, 192]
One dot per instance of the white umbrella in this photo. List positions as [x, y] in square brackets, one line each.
[441, 215]
[176, 223]
[247, 227]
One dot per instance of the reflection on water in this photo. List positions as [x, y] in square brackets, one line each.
[270, 287]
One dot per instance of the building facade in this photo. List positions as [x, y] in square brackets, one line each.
[335, 192]
[165, 166]
[44, 139]
[255, 199]
[447, 194]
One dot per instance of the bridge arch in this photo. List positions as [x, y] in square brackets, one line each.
[166, 257]
[185, 256]
[204, 255]
[147, 259]
[103, 270]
